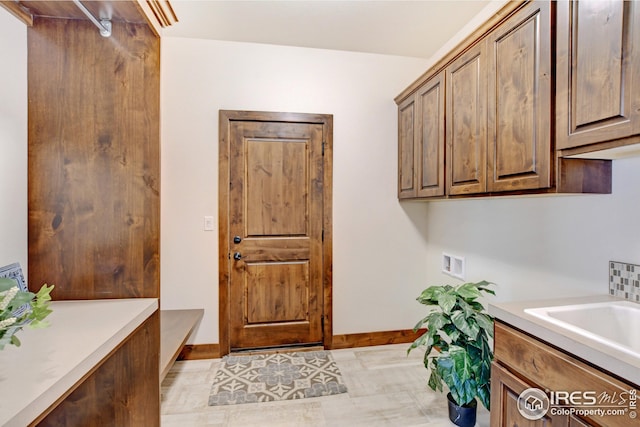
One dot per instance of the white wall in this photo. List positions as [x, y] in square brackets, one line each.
[536, 247]
[385, 252]
[13, 140]
[541, 247]
[379, 245]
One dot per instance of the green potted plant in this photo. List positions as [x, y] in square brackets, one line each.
[458, 353]
[21, 308]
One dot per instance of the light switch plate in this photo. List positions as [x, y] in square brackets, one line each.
[208, 223]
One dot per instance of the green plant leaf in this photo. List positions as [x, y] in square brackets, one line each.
[468, 291]
[7, 283]
[459, 329]
[485, 322]
[435, 382]
[15, 341]
[420, 323]
[21, 299]
[466, 324]
[430, 295]
[447, 300]
[436, 321]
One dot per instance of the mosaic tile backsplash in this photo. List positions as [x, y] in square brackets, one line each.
[624, 280]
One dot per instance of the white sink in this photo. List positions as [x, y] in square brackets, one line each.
[614, 323]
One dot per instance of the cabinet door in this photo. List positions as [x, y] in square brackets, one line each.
[598, 91]
[519, 101]
[505, 389]
[466, 125]
[430, 138]
[406, 149]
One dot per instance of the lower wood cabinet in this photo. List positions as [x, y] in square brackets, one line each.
[522, 362]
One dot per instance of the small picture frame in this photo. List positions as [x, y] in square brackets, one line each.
[14, 271]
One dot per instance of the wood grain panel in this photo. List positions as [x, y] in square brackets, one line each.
[366, 339]
[505, 389]
[279, 207]
[124, 11]
[462, 47]
[598, 96]
[94, 195]
[406, 149]
[431, 138]
[601, 29]
[122, 391]
[466, 122]
[276, 173]
[547, 368]
[200, 351]
[277, 292]
[175, 328]
[519, 101]
[280, 249]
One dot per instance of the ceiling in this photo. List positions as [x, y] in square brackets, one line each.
[391, 27]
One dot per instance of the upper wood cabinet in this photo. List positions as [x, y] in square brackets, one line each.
[421, 141]
[466, 160]
[598, 83]
[406, 149]
[519, 152]
[430, 138]
[497, 89]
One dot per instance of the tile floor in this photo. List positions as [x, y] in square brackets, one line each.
[385, 388]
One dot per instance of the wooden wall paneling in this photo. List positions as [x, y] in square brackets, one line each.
[375, 338]
[122, 391]
[94, 196]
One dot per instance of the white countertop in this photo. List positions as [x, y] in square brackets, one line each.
[52, 360]
[596, 353]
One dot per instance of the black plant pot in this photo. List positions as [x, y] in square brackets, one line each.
[462, 416]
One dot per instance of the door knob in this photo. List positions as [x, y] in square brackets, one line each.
[237, 239]
[237, 256]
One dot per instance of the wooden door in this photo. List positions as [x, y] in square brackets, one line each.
[406, 149]
[598, 83]
[275, 233]
[430, 137]
[466, 125]
[519, 101]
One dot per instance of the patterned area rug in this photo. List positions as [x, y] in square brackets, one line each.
[281, 376]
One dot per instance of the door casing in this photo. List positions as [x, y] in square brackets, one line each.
[224, 121]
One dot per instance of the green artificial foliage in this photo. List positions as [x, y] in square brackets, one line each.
[457, 353]
[13, 317]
